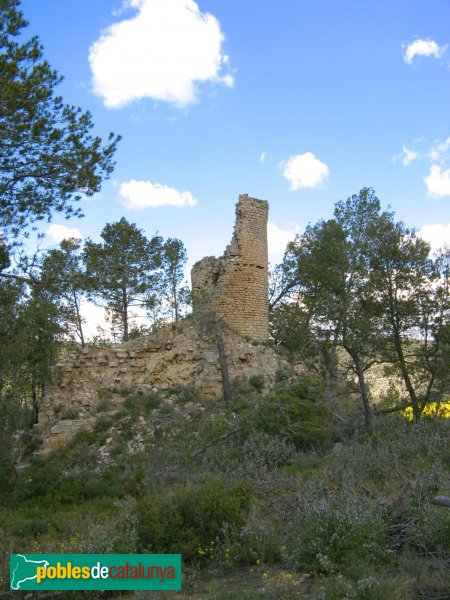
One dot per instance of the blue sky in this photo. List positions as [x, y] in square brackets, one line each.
[299, 102]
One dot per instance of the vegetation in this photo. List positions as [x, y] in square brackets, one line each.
[344, 513]
[321, 488]
[366, 284]
[49, 156]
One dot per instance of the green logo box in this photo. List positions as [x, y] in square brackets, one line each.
[95, 571]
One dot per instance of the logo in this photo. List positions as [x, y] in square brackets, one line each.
[95, 571]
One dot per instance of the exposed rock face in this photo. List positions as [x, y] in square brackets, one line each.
[235, 286]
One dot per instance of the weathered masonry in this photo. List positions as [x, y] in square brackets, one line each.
[235, 286]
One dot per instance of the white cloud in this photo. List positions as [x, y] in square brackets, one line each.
[94, 316]
[422, 48]
[60, 232]
[138, 195]
[408, 155]
[162, 53]
[436, 235]
[262, 157]
[438, 182]
[304, 171]
[279, 238]
[438, 151]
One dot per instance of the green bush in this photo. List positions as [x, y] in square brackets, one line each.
[105, 394]
[257, 382]
[256, 544]
[340, 588]
[29, 528]
[70, 413]
[295, 414]
[339, 539]
[138, 402]
[184, 393]
[189, 520]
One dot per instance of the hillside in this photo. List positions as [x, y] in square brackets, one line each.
[275, 496]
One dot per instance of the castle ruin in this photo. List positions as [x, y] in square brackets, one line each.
[235, 286]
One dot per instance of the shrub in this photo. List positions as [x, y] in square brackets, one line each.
[187, 520]
[70, 413]
[256, 544]
[103, 405]
[30, 528]
[257, 382]
[295, 414]
[183, 393]
[335, 539]
[339, 588]
[138, 402]
[105, 394]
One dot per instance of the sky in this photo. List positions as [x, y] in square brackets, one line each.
[298, 102]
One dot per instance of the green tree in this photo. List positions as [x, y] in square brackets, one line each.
[30, 335]
[330, 272]
[174, 259]
[413, 290]
[10, 294]
[48, 156]
[123, 270]
[37, 343]
[65, 282]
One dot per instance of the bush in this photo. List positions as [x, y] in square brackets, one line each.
[257, 382]
[295, 414]
[336, 539]
[183, 393]
[189, 520]
[256, 544]
[339, 588]
[30, 528]
[138, 402]
[70, 413]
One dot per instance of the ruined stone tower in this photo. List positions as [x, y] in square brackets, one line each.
[235, 286]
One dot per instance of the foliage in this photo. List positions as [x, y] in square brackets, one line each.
[32, 340]
[141, 403]
[432, 409]
[174, 259]
[49, 157]
[64, 282]
[332, 537]
[122, 271]
[295, 413]
[365, 283]
[188, 520]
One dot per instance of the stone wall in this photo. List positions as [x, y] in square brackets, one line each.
[235, 286]
[183, 354]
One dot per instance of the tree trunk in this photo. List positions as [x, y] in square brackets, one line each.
[394, 318]
[362, 385]
[175, 299]
[125, 314]
[79, 320]
[222, 361]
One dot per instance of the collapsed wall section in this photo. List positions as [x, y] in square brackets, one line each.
[235, 286]
[180, 355]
